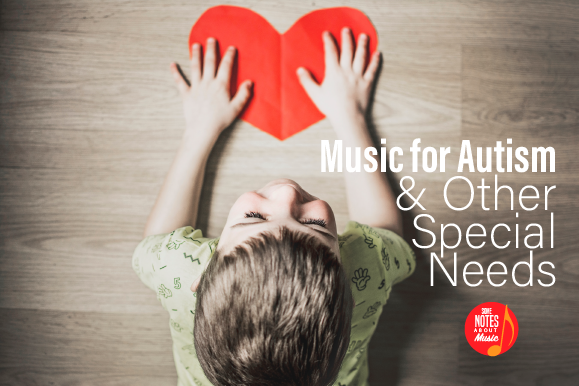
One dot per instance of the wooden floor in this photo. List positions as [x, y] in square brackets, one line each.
[90, 119]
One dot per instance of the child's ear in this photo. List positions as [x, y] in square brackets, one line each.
[195, 284]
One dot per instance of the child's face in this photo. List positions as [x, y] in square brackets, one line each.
[280, 203]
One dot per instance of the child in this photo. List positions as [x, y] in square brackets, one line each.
[279, 298]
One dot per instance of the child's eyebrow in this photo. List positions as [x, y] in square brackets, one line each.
[243, 224]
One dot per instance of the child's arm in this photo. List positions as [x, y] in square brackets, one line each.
[343, 97]
[209, 109]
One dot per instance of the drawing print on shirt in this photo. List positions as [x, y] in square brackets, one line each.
[191, 257]
[212, 245]
[192, 239]
[352, 345]
[176, 326]
[373, 232]
[155, 247]
[356, 344]
[137, 266]
[386, 259]
[369, 241]
[371, 310]
[366, 228]
[190, 348]
[175, 244]
[164, 291]
[360, 278]
[387, 239]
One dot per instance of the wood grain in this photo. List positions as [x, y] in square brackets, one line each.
[40, 347]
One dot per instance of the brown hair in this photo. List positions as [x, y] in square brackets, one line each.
[274, 311]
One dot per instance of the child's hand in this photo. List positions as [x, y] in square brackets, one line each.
[207, 103]
[344, 94]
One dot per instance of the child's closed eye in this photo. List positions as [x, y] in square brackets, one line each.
[319, 221]
[254, 214]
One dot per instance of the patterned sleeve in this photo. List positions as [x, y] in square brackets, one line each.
[145, 256]
[398, 258]
[370, 245]
[167, 263]
[373, 260]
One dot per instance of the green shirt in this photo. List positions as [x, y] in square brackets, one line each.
[374, 259]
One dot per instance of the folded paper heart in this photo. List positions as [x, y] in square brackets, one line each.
[279, 105]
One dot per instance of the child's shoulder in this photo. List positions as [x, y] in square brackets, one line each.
[186, 249]
[376, 248]
[169, 263]
[192, 236]
[354, 228]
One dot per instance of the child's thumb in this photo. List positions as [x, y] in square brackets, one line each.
[241, 96]
[308, 82]
[182, 85]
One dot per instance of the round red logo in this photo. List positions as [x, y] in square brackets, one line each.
[491, 328]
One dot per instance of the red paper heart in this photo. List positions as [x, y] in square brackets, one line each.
[279, 105]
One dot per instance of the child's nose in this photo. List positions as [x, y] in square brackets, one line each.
[287, 194]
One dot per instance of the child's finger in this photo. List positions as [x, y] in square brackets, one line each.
[347, 49]
[181, 83]
[241, 97]
[195, 63]
[308, 82]
[209, 61]
[224, 71]
[330, 50]
[372, 67]
[360, 57]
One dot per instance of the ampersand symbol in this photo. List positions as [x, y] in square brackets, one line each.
[361, 278]
[407, 192]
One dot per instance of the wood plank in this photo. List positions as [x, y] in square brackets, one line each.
[413, 21]
[75, 348]
[530, 95]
